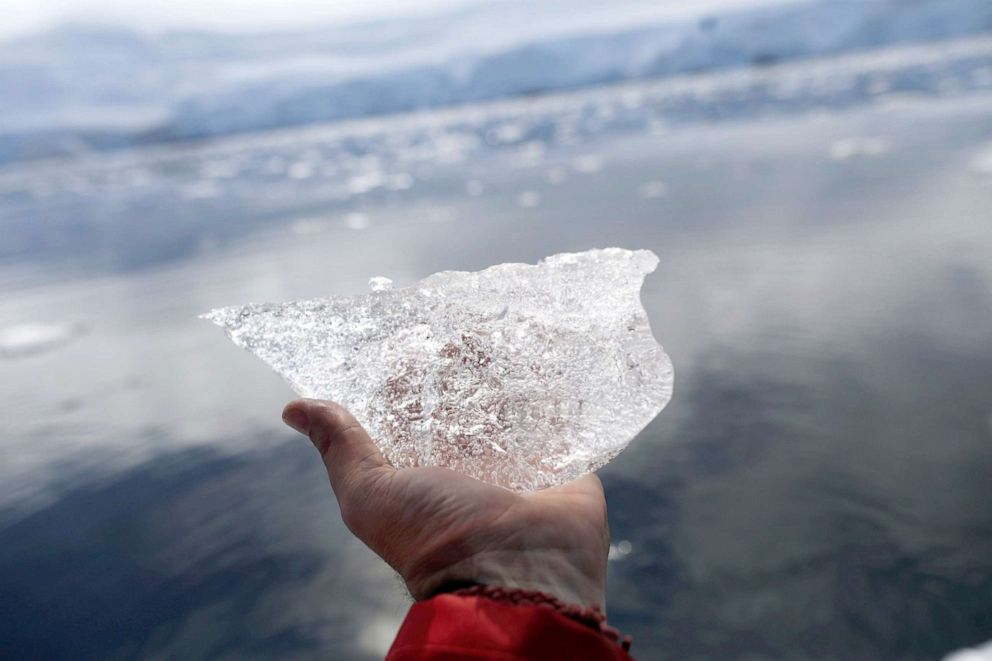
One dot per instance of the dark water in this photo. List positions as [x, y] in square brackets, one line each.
[819, 487]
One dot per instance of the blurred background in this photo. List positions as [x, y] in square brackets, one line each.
[816, 177]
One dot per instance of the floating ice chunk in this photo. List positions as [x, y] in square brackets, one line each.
[440, 214]
[308, 225]
[620, 550]
[525, 376]
[474, 187]
[365, 182]
[33, 338]
[980, 653]
[528, 199]
[531, 153]
[855, 147]
[200, 190]
[982, 162]
[400, 181]
[356, 221]
[301, 170]
[556, 175]
[220, 169]
[505, 134]
[589, 164]
[650, 190]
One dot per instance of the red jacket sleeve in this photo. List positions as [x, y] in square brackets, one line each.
[449, 627]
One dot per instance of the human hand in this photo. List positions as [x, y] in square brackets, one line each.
[437, 527]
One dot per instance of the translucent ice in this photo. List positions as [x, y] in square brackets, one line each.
[525, 376]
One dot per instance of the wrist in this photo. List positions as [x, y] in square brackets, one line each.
[551, 572]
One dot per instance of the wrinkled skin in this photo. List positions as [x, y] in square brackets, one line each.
[439, 528]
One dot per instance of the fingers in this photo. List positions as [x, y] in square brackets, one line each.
[351, 458]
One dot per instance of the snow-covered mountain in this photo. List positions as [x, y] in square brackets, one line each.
[78, 88]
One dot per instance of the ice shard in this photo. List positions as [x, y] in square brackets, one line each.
[521, 375]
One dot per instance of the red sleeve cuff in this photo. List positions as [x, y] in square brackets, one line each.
[449, 627]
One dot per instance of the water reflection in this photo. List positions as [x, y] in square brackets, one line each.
[194, 555]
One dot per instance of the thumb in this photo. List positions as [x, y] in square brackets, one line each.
[351, 458]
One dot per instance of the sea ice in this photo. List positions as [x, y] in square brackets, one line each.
[34, 338]
[526, 376]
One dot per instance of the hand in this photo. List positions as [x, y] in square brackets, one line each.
[436, 527]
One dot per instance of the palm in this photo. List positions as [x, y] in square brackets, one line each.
[436, 526]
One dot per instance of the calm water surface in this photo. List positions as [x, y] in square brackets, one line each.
[819, 487]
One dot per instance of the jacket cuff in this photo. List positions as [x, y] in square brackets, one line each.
[476, 626]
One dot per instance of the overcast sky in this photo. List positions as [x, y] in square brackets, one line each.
[20, 16]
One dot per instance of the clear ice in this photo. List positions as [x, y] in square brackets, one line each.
[525, 376]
